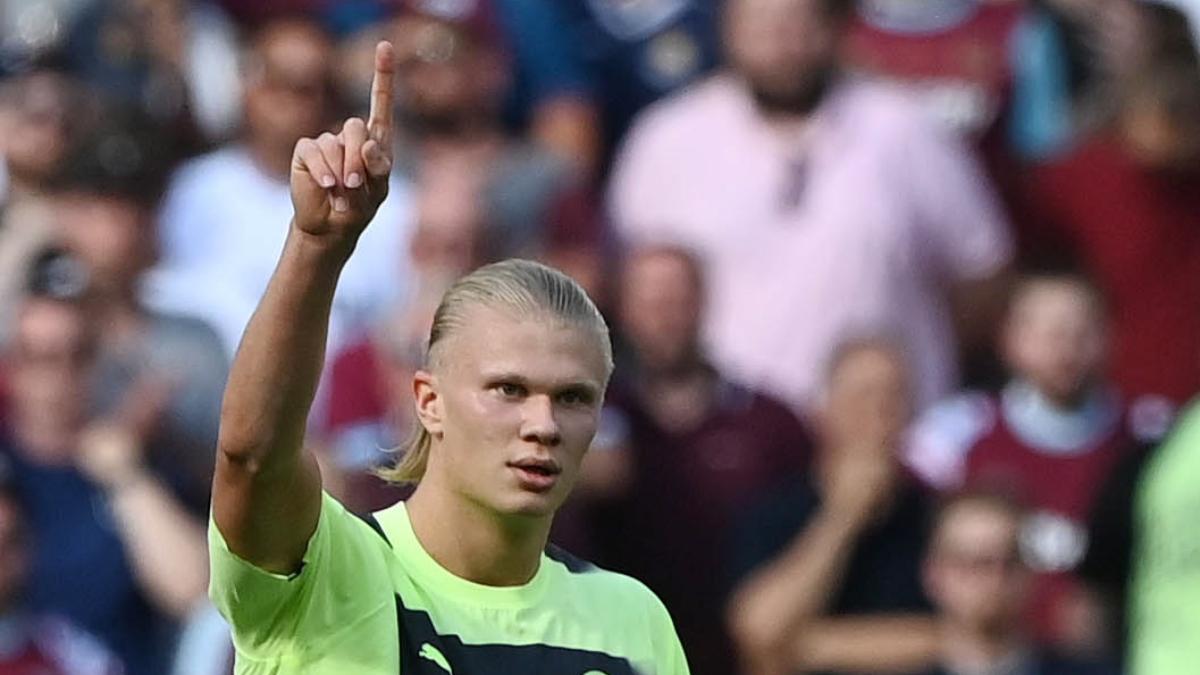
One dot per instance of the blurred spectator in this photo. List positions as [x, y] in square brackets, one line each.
[105, 210]
[955, 56]
[1051, 437]
[853, 213]
[976, 577]
[1126, 206]
[39, 111]
[831, 565]
[703, 449]
[454, 70]
[547, 96]
[174, 59]
[1112, 43]
[115, 551]
[31, 643]
[225, 215]
[1140, 560]
[370, 407]
[638, 52]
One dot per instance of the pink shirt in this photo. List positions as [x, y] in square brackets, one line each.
[866, 240]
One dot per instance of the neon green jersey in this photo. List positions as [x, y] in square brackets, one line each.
[369, 600]
[1165, 594]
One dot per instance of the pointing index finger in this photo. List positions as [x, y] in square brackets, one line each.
[379, 123]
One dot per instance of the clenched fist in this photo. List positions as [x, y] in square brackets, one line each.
[339, 181]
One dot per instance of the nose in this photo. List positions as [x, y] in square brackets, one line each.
[539, 424]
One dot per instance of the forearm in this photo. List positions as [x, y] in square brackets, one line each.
[266, 494]
[165, 544]
[879, 644]
[796, 586]
[274, 376]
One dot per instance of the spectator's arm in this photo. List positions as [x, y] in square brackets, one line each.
[793, 588]
[165, 544]
[869, 644]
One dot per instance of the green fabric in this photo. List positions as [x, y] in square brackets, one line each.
[340, 613]
[1165, 601]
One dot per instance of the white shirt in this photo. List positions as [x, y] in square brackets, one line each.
[222, 228]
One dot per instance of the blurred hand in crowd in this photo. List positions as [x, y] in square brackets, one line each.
[112, 450]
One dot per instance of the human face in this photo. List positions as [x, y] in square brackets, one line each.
[50, 359]
[974, 572]
[288, 85]
[660, 309]
[445, 76]
[38, 132]
[785, 49]
[512, 404]
[1055, 339]
[109, 235]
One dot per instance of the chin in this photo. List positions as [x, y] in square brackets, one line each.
[530, 505]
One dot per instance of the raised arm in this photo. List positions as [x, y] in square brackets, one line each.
[267, 489]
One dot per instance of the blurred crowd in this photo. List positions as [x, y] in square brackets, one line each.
[905, 295]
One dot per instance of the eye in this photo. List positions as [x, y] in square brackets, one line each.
[575, 397]
[509, 390]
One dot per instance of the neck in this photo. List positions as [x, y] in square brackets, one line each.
[472, 542]
[968, 649]
[272, 159]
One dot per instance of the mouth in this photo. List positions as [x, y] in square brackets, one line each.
[536, 475]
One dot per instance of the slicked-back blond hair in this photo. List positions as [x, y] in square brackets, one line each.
[523, 288]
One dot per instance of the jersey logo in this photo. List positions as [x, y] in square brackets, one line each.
[431, 653]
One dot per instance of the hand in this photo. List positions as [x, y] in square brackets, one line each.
[111, 451]
[859, 486]
[338, 182]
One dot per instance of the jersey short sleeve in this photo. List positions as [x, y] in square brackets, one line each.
[281, 622]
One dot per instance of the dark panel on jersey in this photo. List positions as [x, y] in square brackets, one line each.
[424, 652]
[573, 564]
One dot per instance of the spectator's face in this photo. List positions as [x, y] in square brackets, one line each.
[660, 309]
[14, 555]
[1055, 338]
[868, 401]
[35, 129]
[450, 225]
[109, 235]
[444, 75]
[786, 49]
[507, 391]
[974, 573]
[288, 84]
[1159, 138]
[50, 360]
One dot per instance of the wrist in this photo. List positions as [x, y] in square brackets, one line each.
[118, 483]
[328, 249]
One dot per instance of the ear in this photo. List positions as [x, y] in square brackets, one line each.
[428, 402]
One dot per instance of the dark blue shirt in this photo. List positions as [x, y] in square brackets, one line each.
[80, 569]
[884, 571]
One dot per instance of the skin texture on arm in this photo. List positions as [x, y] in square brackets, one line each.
[869, 644]
[267, 489]
[165, 543]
